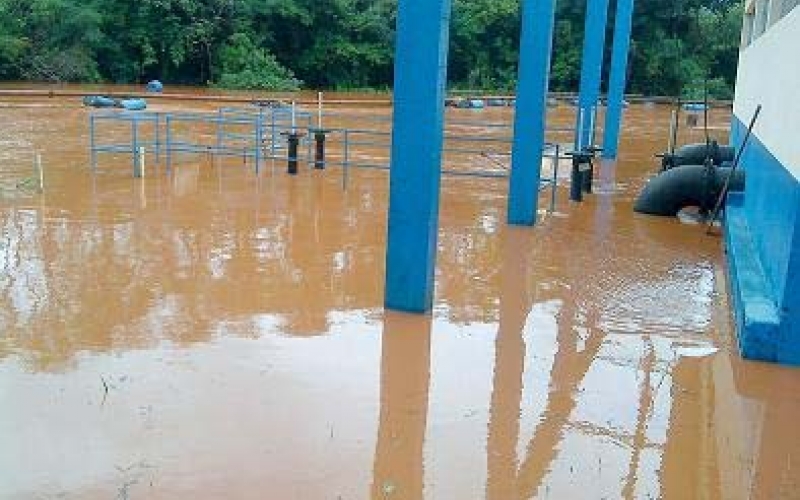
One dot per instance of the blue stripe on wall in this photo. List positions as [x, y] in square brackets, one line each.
[770, 204]
[764, 255]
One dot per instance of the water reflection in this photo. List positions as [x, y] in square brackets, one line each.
[509, 365]
[238, 321]
[405, 374]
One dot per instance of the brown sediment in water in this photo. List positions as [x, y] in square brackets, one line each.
[214, 333]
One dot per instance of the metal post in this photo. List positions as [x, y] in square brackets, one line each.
[158, 138]
[591, 65]
[587, 173]
[618, 77]
[554, 186]
[319, 110]
[293, 139]
[219, 130]
[272, 134]
[134, 142]
[168, 134]
[319, 156]
[92, 145]
[309, 144]
[416, 157]
[138, 172]
[531, 110]
[575, 182]
[673, 131]
[257, 149]
[346, 162]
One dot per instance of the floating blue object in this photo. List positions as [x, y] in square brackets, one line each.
[470, 104]
[134, 104]
[155, 86]
[694, 106]
[99, 101]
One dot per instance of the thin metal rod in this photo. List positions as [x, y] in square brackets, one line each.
[141, 162]
[134, 141]
[726, 186]
[554, 186]
[168, 134]
[92, 146]
[346, 160]
[158, 138]
[673, 131]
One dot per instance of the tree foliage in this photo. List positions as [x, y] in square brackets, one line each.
[677, 46]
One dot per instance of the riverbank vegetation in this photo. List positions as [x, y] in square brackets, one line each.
[344, 44]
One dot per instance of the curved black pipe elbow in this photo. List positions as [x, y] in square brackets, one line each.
[686, 186]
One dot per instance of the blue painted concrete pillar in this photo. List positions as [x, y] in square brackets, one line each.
[536, 42]
[591, 69]
[419, 93]
[617, 77]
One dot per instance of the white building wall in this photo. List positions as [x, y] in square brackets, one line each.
[769, 74]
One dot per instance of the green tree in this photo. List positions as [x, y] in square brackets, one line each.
[677, 46]
[245, 66]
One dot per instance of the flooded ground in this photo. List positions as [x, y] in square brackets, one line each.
[213, 333]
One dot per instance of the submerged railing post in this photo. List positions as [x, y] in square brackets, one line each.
[554, 186]
[168, 139]
[591, 68]
[134, 141]
[576, 180]
[158, 138]
[618, 77]
[531, 110]
[293, 140]
[346, 159]
[273, 135]
[416, 157]
[92, 144]
[319, 154]
[257, 147]
[138, 171]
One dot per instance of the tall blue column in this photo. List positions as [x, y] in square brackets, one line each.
[419, 93]
[536, 42]
[617, 77]
[591, 69]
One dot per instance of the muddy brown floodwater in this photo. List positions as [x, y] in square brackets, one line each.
[213, 333]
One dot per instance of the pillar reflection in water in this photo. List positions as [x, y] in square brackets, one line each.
[405, 376]
[509, 366]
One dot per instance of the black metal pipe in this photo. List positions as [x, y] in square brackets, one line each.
[294, 141]
[685, 186]
[587, 173]
[576, 183]
[319, 156]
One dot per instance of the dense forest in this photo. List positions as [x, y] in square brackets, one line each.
[678, 45]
